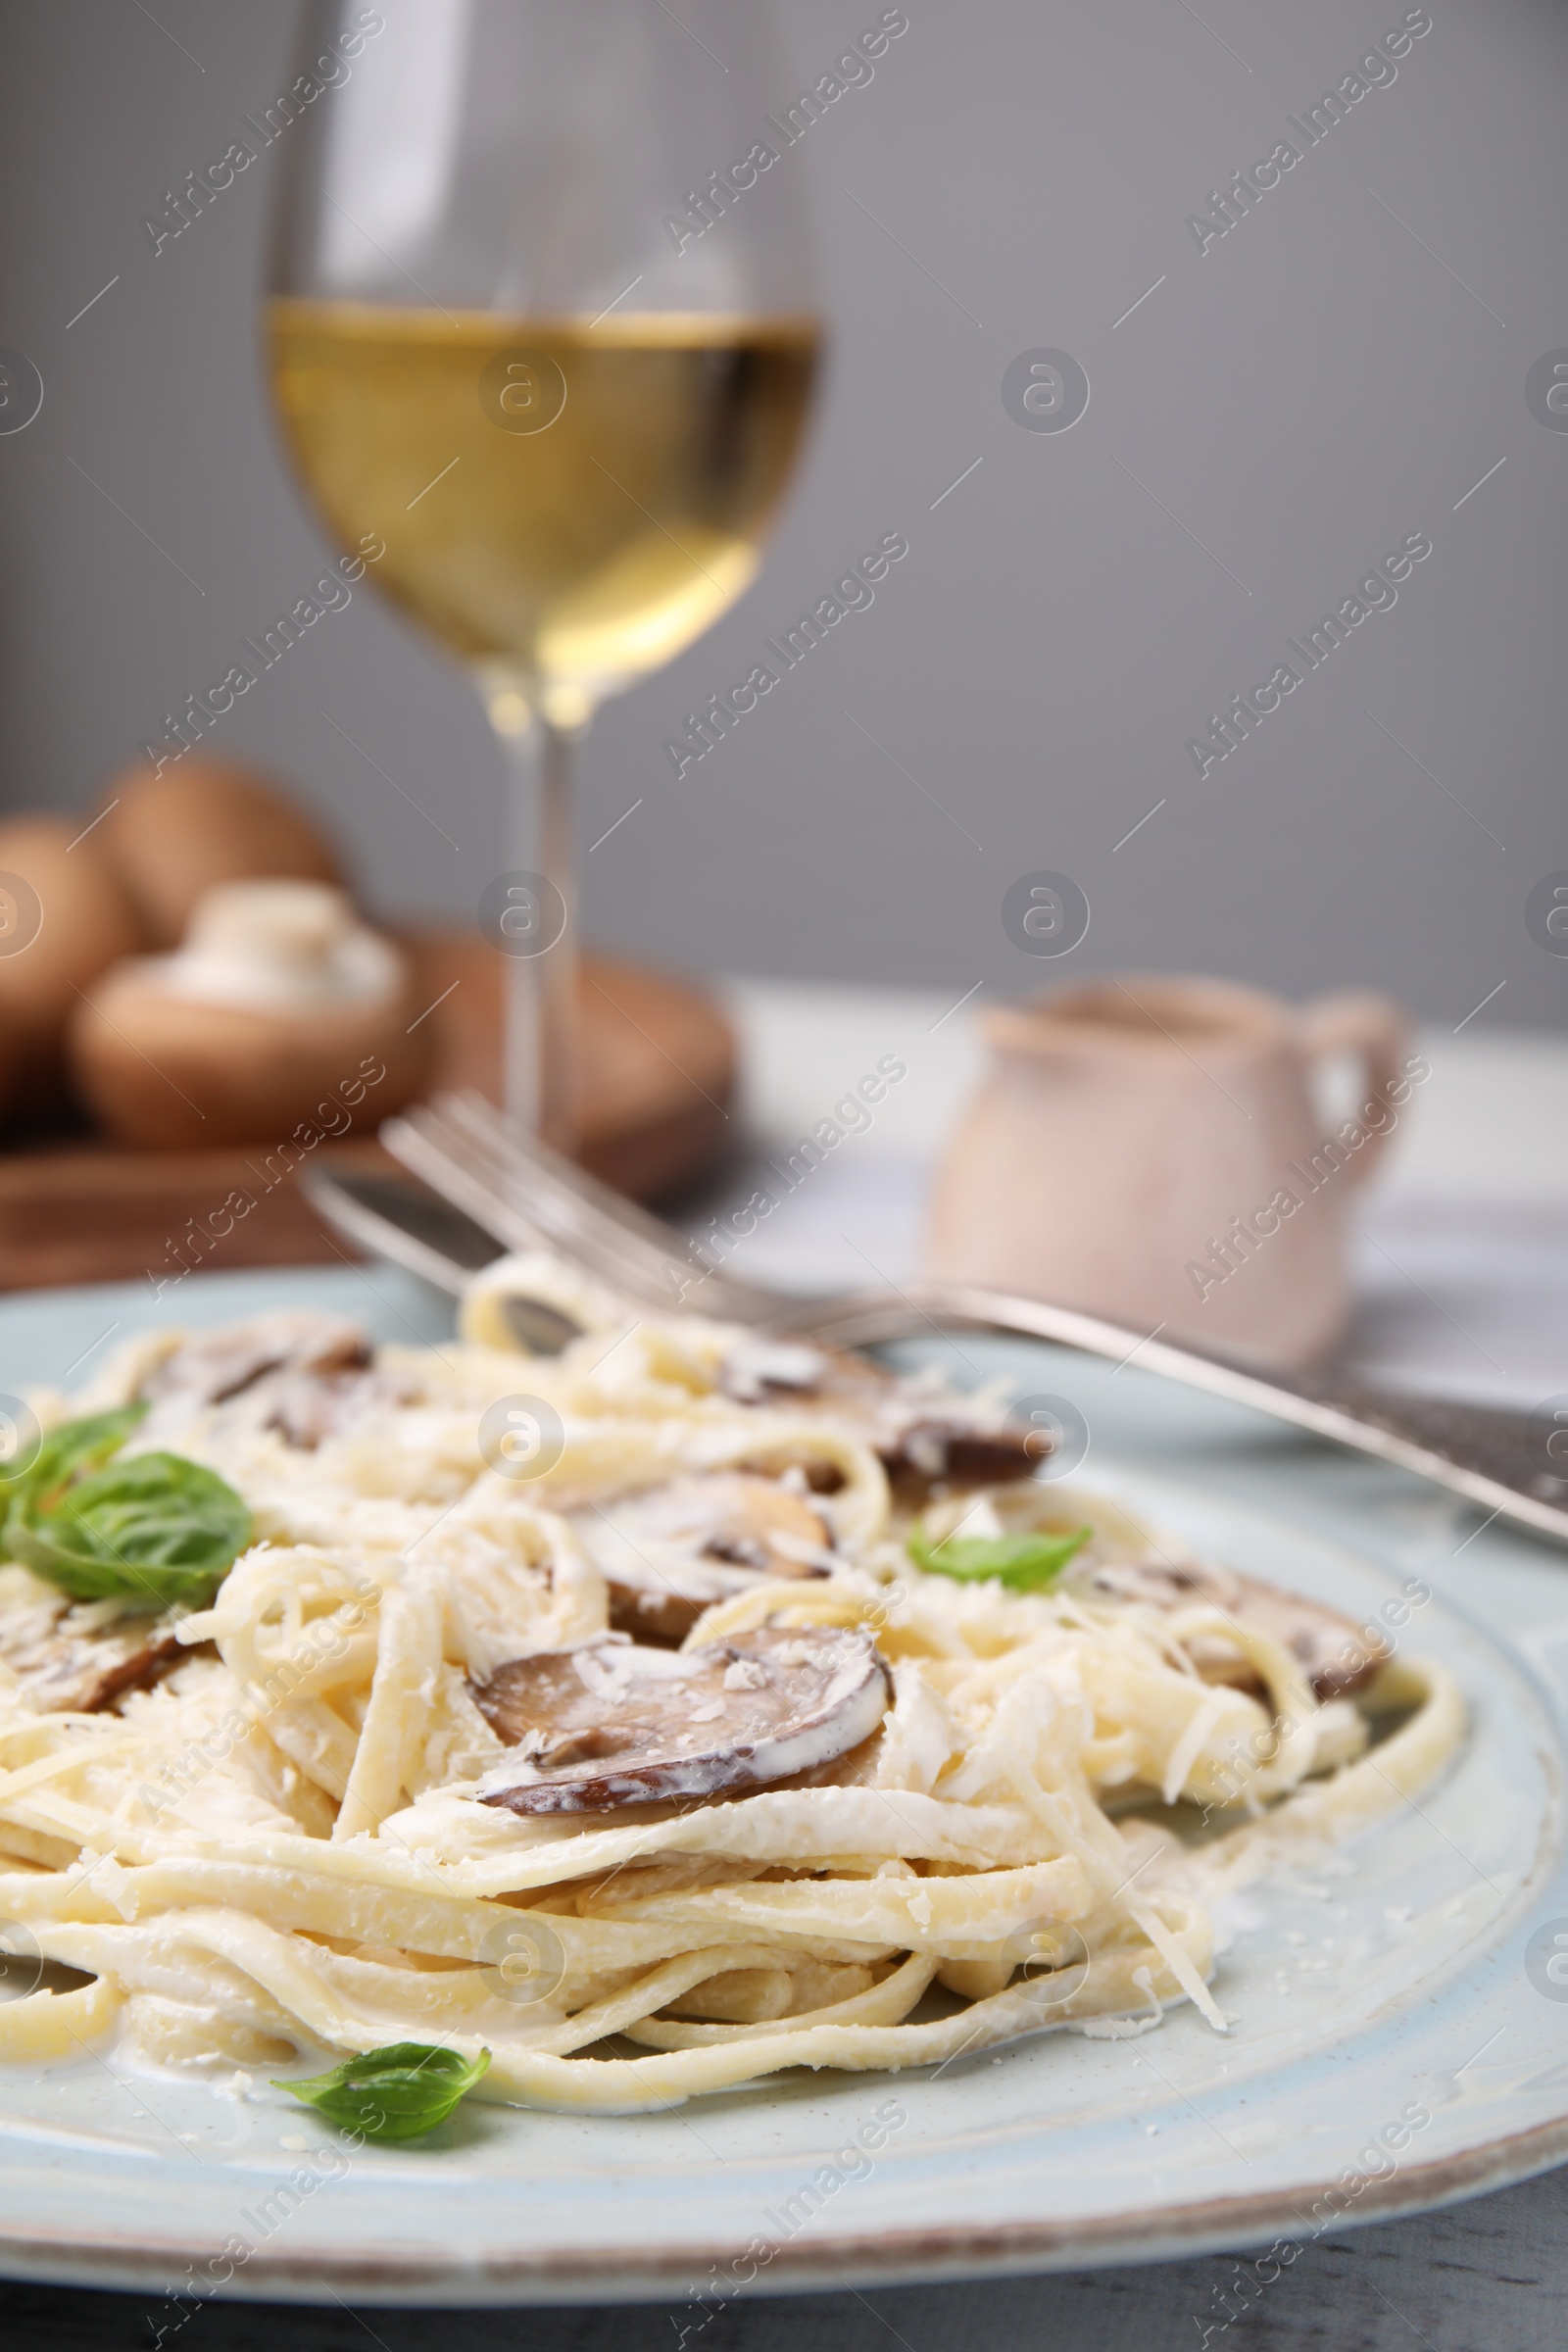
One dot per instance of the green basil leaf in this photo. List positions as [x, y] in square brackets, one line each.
[155, 1532]
[395, 2093]
[74, 1447]
[1026, 1563]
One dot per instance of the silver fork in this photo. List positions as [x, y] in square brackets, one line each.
[528, 1198]
[532, 1199]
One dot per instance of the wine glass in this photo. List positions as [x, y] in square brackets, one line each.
[539, 325]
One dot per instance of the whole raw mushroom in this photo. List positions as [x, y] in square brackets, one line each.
[175, 836]
[281, 1014]
[64, 918]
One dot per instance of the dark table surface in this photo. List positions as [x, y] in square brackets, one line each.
[1491, 2276]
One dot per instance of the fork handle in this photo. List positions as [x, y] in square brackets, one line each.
[1499, 1460]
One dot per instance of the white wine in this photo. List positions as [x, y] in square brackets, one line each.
[564, 504]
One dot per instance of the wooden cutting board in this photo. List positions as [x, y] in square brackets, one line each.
[657, 1084]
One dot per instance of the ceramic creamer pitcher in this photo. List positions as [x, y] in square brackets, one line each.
[1149, 1149]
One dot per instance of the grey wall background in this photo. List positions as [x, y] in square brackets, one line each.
[1280, 410]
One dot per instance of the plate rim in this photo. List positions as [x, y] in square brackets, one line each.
[430, 2274]
[887, 2257]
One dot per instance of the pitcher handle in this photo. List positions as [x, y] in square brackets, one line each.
[1358, 1021]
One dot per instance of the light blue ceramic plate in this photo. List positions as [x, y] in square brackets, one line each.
[1408, 1979]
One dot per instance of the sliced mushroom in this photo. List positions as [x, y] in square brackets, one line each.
[671, 1551]
[1335, 1653]
[924, 1438]
[210, 1366]
[66, 1657]
[306, 1375]
[935, 1448]
[611, 1723]
[322, 1398]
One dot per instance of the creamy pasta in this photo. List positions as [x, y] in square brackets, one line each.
[359, 1797]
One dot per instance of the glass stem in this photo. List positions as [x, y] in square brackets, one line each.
[539, 1063]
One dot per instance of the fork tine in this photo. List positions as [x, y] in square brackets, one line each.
[531, 1199]
[580, 1196]
[425, 1148]
[445, 1159]
[568, 1201]
[633, 1248]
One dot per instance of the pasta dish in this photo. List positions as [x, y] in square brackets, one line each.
[645, 1712]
